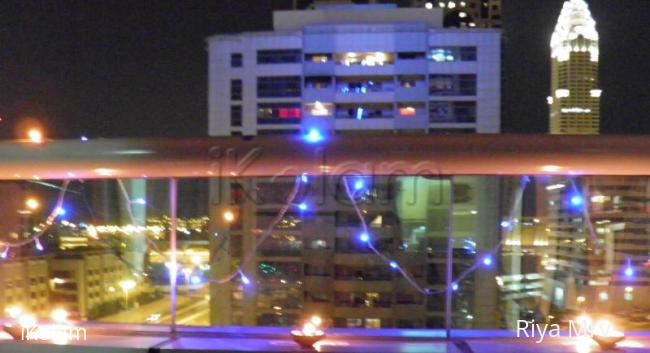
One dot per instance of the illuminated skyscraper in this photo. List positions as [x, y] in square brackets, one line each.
[468, 13]
[575, 94]
[598, 225]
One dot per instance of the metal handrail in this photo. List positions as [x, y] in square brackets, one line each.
[481, 154]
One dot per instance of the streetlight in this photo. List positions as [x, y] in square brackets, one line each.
[32, 204]
[59, 315]
[35, 135]
[229, 216]
[126, 286]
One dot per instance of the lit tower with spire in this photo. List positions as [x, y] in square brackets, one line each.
[575, 95]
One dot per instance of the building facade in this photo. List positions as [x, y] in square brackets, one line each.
[575, 94]
[597, 253]
[598, 224]
[468, 13]
[25, 285]
[344, 69]
[353, 70]
[86, 283]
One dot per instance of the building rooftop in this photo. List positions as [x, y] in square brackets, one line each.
[575, 22]
[354, 14]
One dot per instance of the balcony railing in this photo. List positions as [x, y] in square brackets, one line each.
[151, 225]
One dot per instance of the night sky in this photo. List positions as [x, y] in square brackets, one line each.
[138, 68]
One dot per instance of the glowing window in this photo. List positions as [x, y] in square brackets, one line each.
[407, 111]
[319, 109]
[450, 54]
[365, 58]
[279, 113]
[318, 57]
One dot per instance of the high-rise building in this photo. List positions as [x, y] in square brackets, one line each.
[468, 13]
[598, 243]
[354, 70]
[340, 68]
[575, 94]
[598, 225]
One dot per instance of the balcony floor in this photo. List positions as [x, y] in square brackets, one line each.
[134, 338]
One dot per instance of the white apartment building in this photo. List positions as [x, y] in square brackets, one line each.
[352, 67]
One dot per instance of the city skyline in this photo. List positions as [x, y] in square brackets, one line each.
[352, 183]
[43, 81]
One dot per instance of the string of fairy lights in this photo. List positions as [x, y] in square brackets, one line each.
[365, 236]
[577, 201]
[486, 260]
[41, 229]
[250, 256]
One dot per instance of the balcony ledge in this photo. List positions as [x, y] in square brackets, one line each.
[145, 338]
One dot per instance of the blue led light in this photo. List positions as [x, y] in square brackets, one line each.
[84, 139]
[358, 184]
[303, 206]
[195, 280]
[364, 237]
[487, 260]
[60, 211]
[576, 200]
[454, 286]
[393, 265]
[314, 136]
[629, 269]
[244, 279]
[38, 244]
[139, 201]
[304, 178]
[5, 253]
[506, 224]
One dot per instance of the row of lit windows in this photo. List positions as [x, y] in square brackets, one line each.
[291, 86]
[378, 58]
[291, 112]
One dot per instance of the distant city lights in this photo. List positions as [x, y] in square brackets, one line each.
[32, 204]
[59, 315]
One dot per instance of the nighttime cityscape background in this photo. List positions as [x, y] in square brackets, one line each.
[95, 238]
[86, 68]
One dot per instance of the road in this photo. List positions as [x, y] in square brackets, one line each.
[191, 309]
